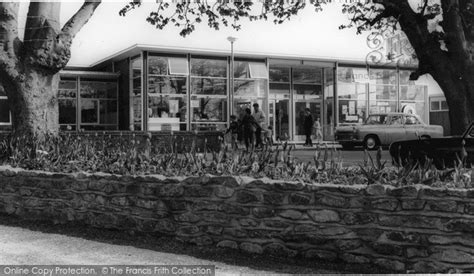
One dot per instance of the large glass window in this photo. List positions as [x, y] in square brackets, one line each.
[382, 99]
[307, 83]
[384, 76]
[328, 123]
[98, 104]
[383, 91]
[209, 68]
[307, 75]
[412, 93]
[405, 77]
[209, 113]
[5, 119]
[250, 87]
[413, 97]
[307, 89]
[352, 95]
[209, 86]
[166, 85]
[4, 111]
[279, 74]
[67, 101]
[167, 93]
[279, 90]
[412, 100]
[208, 94]
[279, 96]
[136, 100]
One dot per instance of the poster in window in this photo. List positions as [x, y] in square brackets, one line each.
[174, 106]
[344, 109]
[352, 108]
[195, 104]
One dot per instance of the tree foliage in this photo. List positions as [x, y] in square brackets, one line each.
[186, 14]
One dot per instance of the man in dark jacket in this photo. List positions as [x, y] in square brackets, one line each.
[308, 127]
[249, 126]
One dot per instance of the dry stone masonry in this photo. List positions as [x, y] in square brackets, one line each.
[413, 228]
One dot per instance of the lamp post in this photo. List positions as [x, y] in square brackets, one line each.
[231, 87]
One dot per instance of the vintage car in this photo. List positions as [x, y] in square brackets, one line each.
[385, 128]
[445, 152]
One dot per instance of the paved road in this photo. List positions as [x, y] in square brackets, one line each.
[350, 158]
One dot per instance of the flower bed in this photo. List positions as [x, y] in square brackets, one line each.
[142, 155]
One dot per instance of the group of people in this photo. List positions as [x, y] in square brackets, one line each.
[250, 129]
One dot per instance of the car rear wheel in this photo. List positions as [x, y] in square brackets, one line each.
[371, 142]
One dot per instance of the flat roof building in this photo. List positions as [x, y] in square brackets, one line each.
[150, 88]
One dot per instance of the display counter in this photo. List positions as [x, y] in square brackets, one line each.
[163, 124]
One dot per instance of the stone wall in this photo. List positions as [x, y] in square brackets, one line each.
[415, 228]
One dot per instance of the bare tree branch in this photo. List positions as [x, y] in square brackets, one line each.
[78, 20]
[423, 9]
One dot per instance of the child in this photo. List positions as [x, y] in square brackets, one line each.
[269, 136]
[234, 130]
[317, 128]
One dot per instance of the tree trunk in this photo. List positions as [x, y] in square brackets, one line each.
[29, 69]
[461, 106]
[448, 68]
[33, 104]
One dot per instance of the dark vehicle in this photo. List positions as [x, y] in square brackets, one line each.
[445, 152]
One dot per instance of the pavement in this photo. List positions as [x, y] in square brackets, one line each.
[352, 157]
[349, 157]
[46, 244]
[20, 246]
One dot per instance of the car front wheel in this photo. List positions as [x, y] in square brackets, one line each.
[371, 142]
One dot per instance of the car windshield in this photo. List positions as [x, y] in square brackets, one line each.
[471, 131]
[376, 120]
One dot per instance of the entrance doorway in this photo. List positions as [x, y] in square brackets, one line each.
[279, 119]
[315, 107]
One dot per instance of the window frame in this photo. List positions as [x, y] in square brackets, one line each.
[9, 113]
[82, 125]
[74, 125]
[439, 101]
[193, 124]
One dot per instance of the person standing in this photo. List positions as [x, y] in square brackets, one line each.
[249, 126]
[259, 117]
[308, 127]
[318, 132]
[233, 130]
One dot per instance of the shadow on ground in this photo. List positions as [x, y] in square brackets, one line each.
[169, 245]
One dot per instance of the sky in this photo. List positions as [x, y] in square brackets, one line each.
[309, 34]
